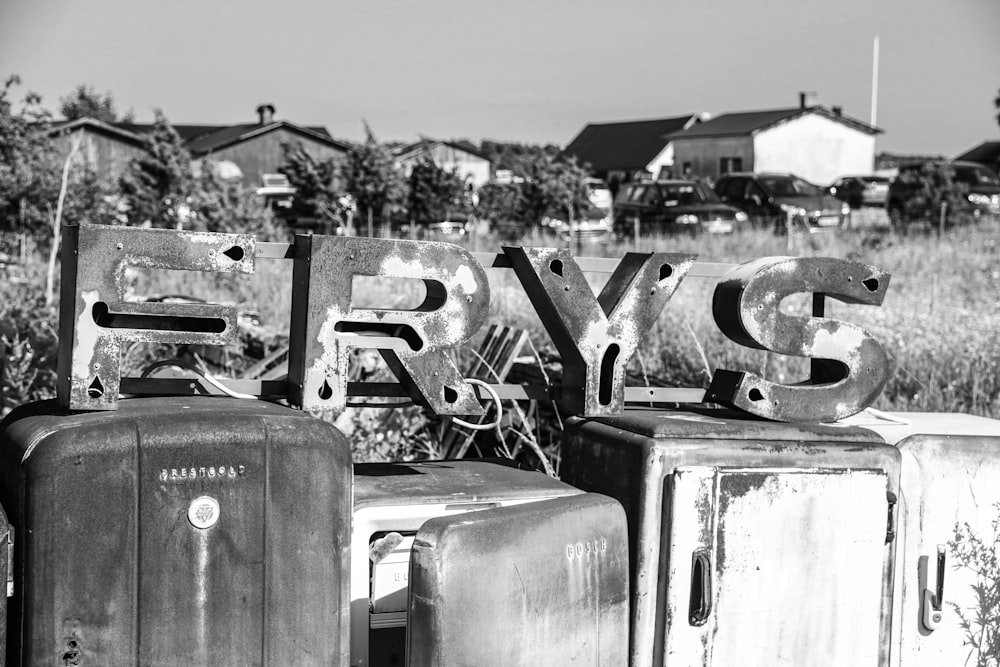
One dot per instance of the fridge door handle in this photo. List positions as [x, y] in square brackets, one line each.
[700, 604]
[933, 601]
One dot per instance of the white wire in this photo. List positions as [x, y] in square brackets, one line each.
[201, 372]
[224, 389]
[496, 399]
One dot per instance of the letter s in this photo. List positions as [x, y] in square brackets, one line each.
[850, 368]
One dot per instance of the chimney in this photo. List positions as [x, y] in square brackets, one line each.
[807, 98]
[837, 111]
[265, 114]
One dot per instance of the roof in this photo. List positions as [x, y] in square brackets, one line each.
[94, 125]
[202, 139]
[624, 145]
[747, 123]
[987, 153]
[418, 147]
[185, 132]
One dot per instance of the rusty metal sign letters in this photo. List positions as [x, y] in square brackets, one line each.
[325, 327]
[850, 367]
[597, 336]
[96, 317]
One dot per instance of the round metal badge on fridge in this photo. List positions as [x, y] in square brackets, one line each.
[203, 512]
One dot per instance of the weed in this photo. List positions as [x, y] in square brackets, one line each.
[980, 623]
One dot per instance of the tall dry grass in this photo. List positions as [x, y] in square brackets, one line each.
[940, 321]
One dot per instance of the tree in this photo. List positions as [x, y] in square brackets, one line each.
[931, 186]
[372, 178]
[158, 186]
[516, 157]
[319, 185]
[85, 102]
[217, 206]
[555, 187]
[502, 204]
[29, 173]
[434, 192]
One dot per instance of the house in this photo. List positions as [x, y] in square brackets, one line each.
[469, 164]
[622, 151]
[104, 148]
[255, 148]
[811, 141]
[986, 153]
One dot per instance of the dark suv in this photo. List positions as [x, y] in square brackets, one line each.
[975, 190]
[769, 198]
[668, 207]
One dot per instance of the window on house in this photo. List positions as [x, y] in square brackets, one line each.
[728, 165]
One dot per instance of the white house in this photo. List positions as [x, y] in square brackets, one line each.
[813, 142]
[470, 166]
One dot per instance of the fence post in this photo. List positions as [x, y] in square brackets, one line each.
[788, 231]
[944, 214]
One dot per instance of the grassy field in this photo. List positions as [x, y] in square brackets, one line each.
[940, 321]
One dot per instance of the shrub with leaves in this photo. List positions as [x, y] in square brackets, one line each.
[157, 185]
[372, 178]
[319, 187]
[981, 624]
[29, 166]
[434, 192]
[934, 186]
[28, 331]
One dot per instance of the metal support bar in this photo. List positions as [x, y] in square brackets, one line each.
[276, 388]
[494, 260]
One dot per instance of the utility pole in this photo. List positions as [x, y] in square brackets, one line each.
[874, 80]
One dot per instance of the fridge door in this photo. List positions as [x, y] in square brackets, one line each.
[775, 566]
[947, 574]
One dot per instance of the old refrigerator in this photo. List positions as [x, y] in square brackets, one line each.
[751, 542]
[391, 502]
[543, 583]
[177, 531]
[949, 538]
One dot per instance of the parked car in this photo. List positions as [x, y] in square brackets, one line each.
[600, 194]
[860, 191]
[977, 189]
[769, 198]
[668, 207]
[593, 224]
[455, 227]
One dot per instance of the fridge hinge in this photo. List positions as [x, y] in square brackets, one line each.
[890, 527]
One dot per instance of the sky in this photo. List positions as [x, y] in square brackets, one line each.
[533, 71]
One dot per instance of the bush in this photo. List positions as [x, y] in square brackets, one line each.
[28, 333]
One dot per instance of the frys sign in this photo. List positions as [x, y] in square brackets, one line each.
[595, 335]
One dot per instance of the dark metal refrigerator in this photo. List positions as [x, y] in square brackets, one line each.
[177, 531]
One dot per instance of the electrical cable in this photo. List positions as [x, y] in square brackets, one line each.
[203, 374]
[496, 400]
